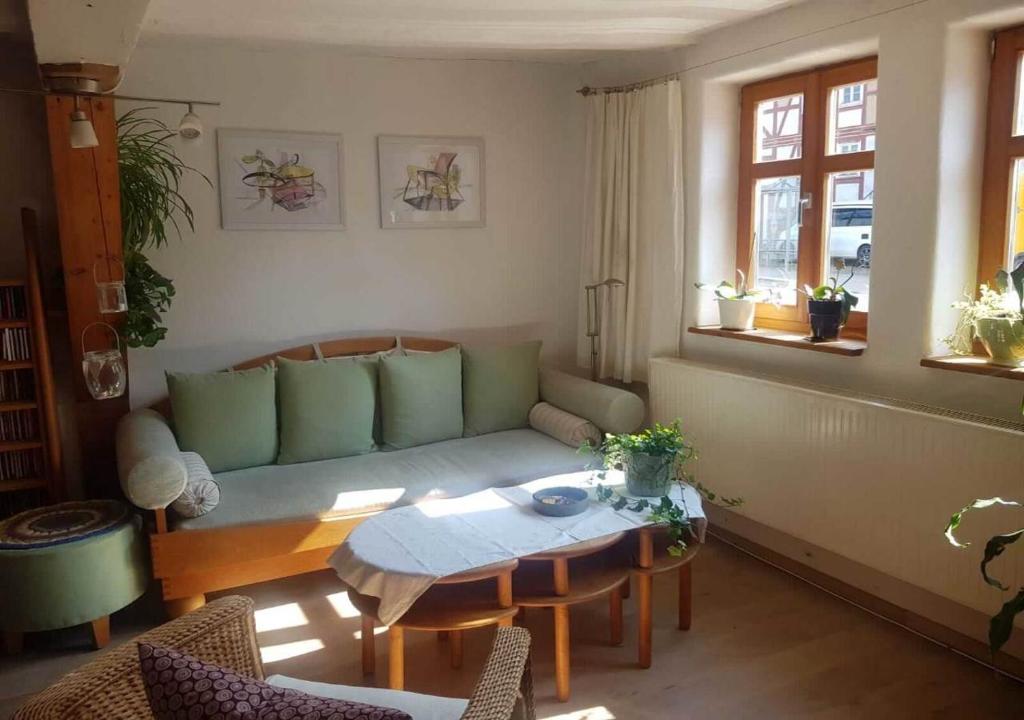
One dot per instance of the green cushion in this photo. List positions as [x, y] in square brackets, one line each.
[421, 398]
[499, 386]
[326, 408]
[230, 418]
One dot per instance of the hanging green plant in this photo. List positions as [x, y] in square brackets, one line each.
[151, 202]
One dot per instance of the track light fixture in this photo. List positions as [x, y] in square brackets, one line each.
[82, 134]
[190, 127]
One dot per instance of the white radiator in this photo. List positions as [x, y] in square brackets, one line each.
[870, 479]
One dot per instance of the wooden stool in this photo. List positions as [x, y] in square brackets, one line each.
[597, 571]
[652, 559]
[453, 604]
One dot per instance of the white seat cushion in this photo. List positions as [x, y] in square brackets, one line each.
[420, 707]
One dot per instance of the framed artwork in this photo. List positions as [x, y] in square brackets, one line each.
[280, 180]
[431, 182]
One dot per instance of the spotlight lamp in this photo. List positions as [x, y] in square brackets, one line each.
[82, 134]
[190, 127]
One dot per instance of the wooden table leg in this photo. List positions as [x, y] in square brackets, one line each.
[177, 608]
[101, 632]
[14, 642]
[615, 615]
[369, 646]
[626, 589]
[644, 586]
[505, 622]
[520, 618]
[685, 596]
[561, 571]
[455, 648]
[396, 658]
[562, 652]
[505, 590]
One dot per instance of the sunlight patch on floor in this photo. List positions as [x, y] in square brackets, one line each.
[379, 630]
[598, 712]
[342, 605]
[280, 617]
[284, 651]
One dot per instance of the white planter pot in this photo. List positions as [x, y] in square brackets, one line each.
[736, 314]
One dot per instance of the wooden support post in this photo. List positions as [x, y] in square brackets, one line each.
[396, 658]
[685, 595]
[615, 615]
[87, 191]
[455, 648]
[177, 608]
[101, 632]
[369, 645]
[562, 652]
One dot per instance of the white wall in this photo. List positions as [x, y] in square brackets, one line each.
[933, 74]
[241, 294]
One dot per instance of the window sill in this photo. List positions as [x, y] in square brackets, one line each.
[781, 338]
[974, 364]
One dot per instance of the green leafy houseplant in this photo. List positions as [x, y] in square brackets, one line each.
[1001, 625]
[668, 443]
[151, 202]
[835, 291]
[993, 310]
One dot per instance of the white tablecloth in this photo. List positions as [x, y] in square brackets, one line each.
[396, 555]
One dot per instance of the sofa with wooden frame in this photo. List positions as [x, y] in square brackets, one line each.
[192, 561]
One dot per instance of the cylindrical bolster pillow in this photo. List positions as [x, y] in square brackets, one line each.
[202, 493]
[611, 409]
[564, 426]
[148, 460]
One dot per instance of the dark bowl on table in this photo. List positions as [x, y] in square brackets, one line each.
[560, 501]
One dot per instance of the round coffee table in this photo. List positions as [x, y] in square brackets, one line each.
[453, 604]
[571, 575]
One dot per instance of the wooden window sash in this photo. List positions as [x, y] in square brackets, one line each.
[1001, 150]
[813, 167]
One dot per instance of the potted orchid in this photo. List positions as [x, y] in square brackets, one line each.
[736, 303]
[829, 305]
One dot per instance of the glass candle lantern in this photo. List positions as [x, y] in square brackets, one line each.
[106, 375]
[110, 294]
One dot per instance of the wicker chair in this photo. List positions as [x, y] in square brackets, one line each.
[223, 632]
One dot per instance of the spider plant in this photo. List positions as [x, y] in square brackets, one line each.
[151, 201]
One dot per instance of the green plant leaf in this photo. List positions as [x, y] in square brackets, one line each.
[957, 517]
[1002, 281]
[1017, 276]
[1000, 627]
[993, 549]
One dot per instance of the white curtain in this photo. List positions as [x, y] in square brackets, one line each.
[634, 226]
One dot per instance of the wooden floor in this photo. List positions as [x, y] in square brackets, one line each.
[763, 645]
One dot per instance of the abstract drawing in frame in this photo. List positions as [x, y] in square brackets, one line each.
[280, 180]
[431, 182]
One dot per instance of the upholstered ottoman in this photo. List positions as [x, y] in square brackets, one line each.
[69, 564]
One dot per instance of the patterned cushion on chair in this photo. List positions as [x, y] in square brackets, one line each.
[180, 686]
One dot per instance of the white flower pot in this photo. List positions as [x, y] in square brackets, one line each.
[736, 314]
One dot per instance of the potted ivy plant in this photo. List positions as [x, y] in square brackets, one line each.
[829, 305]
[736, 303]
[649, 459]
[995, 317]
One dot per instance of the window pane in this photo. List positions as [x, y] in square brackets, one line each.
[1015, 254]
[777, 234]
[1018, 105]
[851, 117]
[848, 231]
[780, 124]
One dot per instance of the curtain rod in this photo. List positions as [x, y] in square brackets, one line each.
[587, 90]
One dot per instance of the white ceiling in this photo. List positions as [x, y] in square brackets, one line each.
[571, 30]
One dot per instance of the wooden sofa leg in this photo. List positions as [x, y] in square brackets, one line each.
[13, 642]
[177, 608]
[100, 632]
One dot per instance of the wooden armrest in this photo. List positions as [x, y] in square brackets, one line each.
[505, 688]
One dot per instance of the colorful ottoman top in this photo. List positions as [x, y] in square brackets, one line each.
[59, 524]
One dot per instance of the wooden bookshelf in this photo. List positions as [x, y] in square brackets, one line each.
[30, 465]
